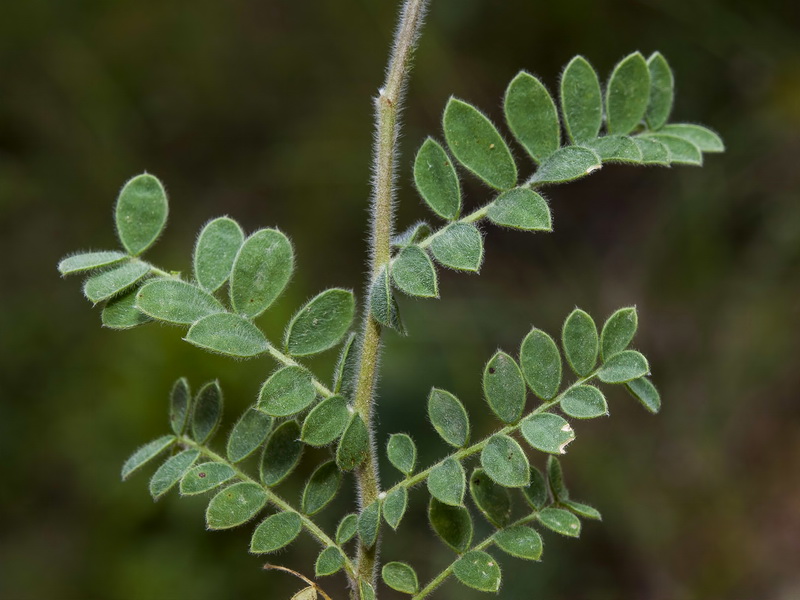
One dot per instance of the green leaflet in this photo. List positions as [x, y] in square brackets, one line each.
[401, 577]
[662, 91]
[566, 164]
[216, 249]
[580, 341]
[329, 561]
[88, 261]
[344, 377]
[505, 462]
[541, 364]
[146, 453]
[446, 482]
[615, 148]
[170, 472]
[547, 432]
[354, 446]
[560, 521]
[618, 331]
[493, 500]
[413, 235]
[287, 392]
[521, 208]
[681, 151]
[326, 422]
[346, 529]
[402, 453]
[383, 305]
[584, 402]
[205, 477]
[228, 334]
[449, 417]
[261, 270]
[141, 213]
[275, 532]
[115, 280]
[702, 137]
[321, 488]
[281, 453]
[536, 492]
[414, 274]
[477, 145]
[176, 301]
[437, 181]
[121, 312]
[369, 523]
[366, 589]
[531, 116]
[504, 387]
[459, 246]
[653, 151]
[583, 510]
[180, 405]
[452, 524]
[624, 366]
[248, 434]
[555, 479]
[645, 392]
[394, 507]
[627, 94]
[581, 100]
[520, 541]
[207, 412]
[321, 323]
[479, 570]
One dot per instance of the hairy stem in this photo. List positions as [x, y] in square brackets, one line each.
[387, 122]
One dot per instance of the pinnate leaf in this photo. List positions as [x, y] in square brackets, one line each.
[584, 402]
[479, 570]
[662, 91]
[581, 100]
[87, 261]
[326, 422]
[170, 472]
[521, 208]
[146, 453]
[287, 392]
[541, 364]
[216, 249]
[275, 532]
[322, 323]
[580, 340]
[261, 270]
[531, 115]
[520, 541]
[414, 274]
[329, 561]
[618, 331]
[354, 446]
[449, 417]
[505, 462]
[401, 577]
[115, 280]
[627, 94]
[437, 181]
[566, 164]
[394, 506]
[281, 453]
[459, 246]
[248, 434]
[205, 477]
[176, 301]
[207, 412]
[547, 432]
[493, 500]
[504, 387]
[623, 366]
[402, 453]
[560, 521]
[477, 145]
[141, 213]
[645, 392]
[228, 334]
[451, 523]
[121, 312]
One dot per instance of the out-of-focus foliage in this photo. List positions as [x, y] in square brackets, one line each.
[209, 99]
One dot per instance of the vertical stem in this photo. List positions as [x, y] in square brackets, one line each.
[387, 122]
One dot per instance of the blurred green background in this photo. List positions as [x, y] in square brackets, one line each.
[261, 110]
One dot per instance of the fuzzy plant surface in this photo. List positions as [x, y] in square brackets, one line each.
[534, 392]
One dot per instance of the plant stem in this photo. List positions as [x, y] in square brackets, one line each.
[387, 121]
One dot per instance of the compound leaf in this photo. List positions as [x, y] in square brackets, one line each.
[146, 453]
[623, 366]
[88, 261]
[645, 392]
[584, 402]
[354, 446]
[176, 301]
[505, 462]
[329, 561]
[287, 392]
[662, 91]
[446, 482]
[281, 453]
[261, 270]
[437, 181]
[401, 577]
[618, 331]
[383, 305]
[275, 532]
[452, 524]
[322, 323]
[536, 492]
[547, 432]
[449, 417]
[248, 434]
[627, 94]
[541, 364]
[326, 422]
[477, 145]
[321, 488]
[580, 341]
[207, 412]
[459, 246]
[369, 523]
[394, 506]
[566, 164]
[216, 249]
[521, 208]
[493, 500]
[504, 387]
[121, 312]
[581, 100]
[479, 570]
[532, 117]
[228, 334]
[170, 472]
[702, 137]
[141, 213]
[414, 274]
[205, 477]
[561, 521]
[520, 541]
[115, 280]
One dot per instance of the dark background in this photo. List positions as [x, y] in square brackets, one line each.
[261, 110]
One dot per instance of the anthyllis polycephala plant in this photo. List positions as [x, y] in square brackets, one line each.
[236, 277]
